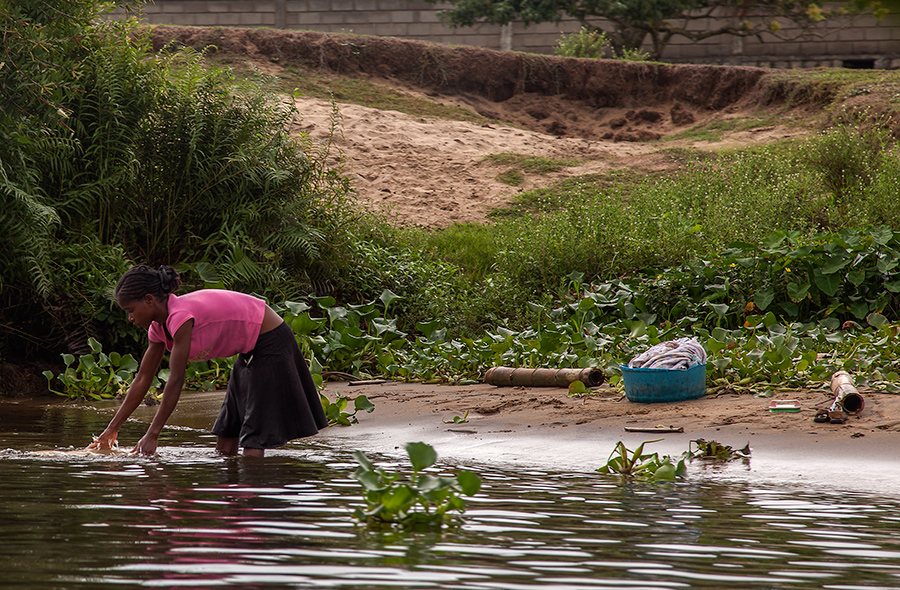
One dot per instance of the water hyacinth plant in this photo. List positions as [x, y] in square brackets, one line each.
[337, 412]
[94, 376]
[637, 464]
[603, 325]
[421, 501]
[713, 450]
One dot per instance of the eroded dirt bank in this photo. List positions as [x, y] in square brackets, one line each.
[559, 96]
[600, 115]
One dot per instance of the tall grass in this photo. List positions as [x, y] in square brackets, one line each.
[631, 225]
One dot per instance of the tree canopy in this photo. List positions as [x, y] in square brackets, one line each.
[633, 21]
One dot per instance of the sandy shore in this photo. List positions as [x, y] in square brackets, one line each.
[545, 429]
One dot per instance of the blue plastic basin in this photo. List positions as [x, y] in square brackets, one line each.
[664, 385]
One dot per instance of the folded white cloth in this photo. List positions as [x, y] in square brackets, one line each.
[682, 353]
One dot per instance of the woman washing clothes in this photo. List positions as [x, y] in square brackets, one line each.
[271, 397]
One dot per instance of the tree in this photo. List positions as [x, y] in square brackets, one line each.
[632, 21]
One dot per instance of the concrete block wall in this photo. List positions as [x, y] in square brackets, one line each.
[868, 43]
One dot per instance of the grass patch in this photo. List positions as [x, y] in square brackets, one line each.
[470, 246]
[511, 177]
[714, 131]
[304, 82]
[520, 164]
[685, 156]
[530, 164]
[826, 90]
[548, 199]
[570, 191]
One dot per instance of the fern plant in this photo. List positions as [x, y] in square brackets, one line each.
[107, 145]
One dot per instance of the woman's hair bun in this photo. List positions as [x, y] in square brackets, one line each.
[169, 279]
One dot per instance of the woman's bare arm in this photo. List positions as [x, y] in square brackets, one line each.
[178, 360]
[136, 393]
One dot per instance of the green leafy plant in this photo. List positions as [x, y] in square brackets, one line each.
[421, 501]
[337, 413]
[588, 43]
[714, 450]
[637, 464]
[458, 419]
[579, 389]
[203, 375]
[94, 376]
[634, 54]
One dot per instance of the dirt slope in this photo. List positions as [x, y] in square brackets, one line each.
[605, 114]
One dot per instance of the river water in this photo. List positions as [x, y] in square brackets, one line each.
[189, 519]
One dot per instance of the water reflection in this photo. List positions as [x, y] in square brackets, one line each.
[191, 519]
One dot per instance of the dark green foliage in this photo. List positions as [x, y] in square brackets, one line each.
[184, 165]
[111, 155]
[38, 52]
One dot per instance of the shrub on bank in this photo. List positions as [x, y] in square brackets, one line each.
[155, 157]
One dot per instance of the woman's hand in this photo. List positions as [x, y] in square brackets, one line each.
[147, 445]
[107, 440]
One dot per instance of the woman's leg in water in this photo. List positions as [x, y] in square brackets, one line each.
[226, 445]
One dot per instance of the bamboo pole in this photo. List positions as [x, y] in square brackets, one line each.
[845, 393]
[510, 376]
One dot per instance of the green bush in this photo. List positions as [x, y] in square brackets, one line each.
[847, 158]
[44, 44]
[595, 44]
[588, 43]
[155, 157]
[196, 168]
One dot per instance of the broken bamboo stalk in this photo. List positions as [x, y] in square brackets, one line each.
[846, 394]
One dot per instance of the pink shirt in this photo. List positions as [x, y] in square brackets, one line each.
[225, 322]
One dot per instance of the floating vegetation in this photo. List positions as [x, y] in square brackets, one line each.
[637, 464]
[420, 501]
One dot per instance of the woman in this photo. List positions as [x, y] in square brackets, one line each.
[271, 397]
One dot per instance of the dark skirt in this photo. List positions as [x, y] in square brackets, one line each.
[271, 397]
